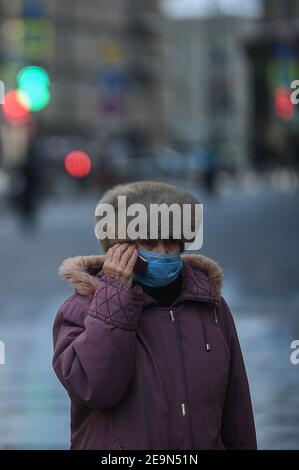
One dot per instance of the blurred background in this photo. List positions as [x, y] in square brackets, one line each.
[191, 92]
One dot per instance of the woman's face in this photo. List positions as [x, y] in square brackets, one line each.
[160, 246]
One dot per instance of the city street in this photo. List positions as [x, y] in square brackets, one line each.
[253, 236]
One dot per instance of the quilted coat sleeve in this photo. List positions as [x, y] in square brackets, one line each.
[94, 344]
[238, 428]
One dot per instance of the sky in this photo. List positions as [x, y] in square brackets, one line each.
[191, 8]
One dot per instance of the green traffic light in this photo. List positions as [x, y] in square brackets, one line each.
[33, 73]
[33, 82]
[37, 96]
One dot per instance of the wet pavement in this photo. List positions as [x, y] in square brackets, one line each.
[253, 236]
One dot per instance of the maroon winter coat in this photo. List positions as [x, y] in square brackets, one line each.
[141, 376]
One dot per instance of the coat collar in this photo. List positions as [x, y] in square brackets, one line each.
[202, 277]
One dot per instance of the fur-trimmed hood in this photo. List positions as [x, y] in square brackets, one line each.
[81, 272]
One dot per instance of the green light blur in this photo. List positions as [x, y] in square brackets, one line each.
[33, 73]
[34, 82]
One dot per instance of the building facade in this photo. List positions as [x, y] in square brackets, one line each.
[102, 58]
[206, 93]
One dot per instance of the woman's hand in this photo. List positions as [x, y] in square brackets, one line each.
[120, 260]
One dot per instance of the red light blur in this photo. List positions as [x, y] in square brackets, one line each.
[283, 105]
[14, 112]
[77, 164]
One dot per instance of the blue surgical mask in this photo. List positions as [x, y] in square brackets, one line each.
[162, 268]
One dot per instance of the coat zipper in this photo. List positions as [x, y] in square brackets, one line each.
[215, 315]
[172, 315]
[183, 405]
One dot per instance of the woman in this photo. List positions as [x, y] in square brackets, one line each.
[151, 360]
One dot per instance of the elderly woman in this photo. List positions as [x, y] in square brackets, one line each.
[151, 359]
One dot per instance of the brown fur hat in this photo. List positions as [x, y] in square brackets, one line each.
[145, 193]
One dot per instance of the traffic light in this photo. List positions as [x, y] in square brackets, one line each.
[34, 83]
[14, 110]
[284, 108]
[77, 164]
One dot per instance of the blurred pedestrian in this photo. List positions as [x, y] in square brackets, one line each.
[210, 168]
[27, 181]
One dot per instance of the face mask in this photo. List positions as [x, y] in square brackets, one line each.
[162, 268]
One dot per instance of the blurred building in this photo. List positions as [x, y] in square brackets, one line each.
[206, 83]
[273, 54]
[144, 60]
[103, 59]
[277, 10]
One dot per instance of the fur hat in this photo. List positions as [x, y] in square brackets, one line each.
[145, 193]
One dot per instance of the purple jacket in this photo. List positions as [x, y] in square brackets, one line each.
[146, 377]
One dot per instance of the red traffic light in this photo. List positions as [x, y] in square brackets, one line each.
[13, 109]
[283, 105]
[77, 164]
